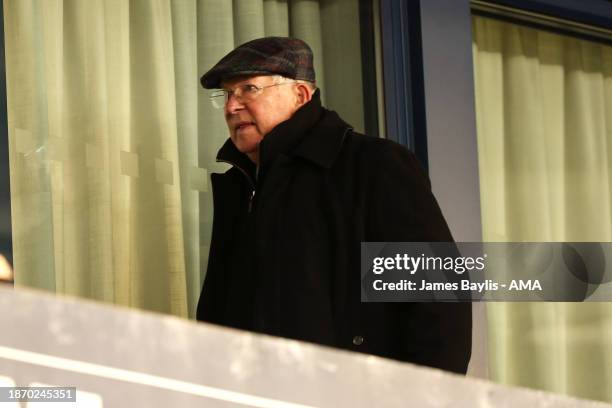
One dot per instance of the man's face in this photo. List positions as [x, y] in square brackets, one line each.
[248, 123]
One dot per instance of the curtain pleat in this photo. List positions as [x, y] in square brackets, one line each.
[276, 18]
[343, 77]
[27, 105]
[305, 23]
[184, 32]
[248, 20]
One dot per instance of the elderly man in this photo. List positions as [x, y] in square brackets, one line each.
[303, 192]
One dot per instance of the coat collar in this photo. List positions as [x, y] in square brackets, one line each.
[313, 133]
[231, 155]
[323, 144]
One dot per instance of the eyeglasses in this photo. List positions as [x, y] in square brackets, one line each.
[244, 94]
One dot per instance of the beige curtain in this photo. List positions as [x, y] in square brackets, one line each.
[544, 119]
[112, 140]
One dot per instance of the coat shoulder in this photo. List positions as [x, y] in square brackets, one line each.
[231, 175]
[377, 151]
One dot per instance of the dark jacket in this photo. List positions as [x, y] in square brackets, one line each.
[285, 250]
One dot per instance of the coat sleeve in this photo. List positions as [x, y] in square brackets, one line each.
[402, 208]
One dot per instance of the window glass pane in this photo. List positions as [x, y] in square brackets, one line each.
[112, 141]
[544, 120]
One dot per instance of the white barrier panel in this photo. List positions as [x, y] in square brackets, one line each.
[117, 357]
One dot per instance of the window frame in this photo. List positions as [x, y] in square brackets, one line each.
[589, 12]
[405, 121]
[6, 243]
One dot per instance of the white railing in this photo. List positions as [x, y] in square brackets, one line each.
[117, 357]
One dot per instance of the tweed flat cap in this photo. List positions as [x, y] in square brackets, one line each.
[289, 57]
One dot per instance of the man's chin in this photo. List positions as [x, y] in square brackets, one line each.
[246, 146]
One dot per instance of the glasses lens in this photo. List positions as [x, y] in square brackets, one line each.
[218, 102]
[249, 92]
[217, 98]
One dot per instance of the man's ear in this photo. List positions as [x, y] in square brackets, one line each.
[304, 93]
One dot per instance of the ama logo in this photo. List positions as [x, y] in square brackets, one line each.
[519, 284]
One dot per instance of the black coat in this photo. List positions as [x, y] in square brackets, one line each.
[285, 260]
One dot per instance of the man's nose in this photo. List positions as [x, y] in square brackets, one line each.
[233, 104]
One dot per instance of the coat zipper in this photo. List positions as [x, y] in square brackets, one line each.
[252, 197]
[251, 200]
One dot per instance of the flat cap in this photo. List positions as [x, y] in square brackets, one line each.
[289, 57]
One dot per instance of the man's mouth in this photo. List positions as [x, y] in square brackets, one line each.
[243, 125]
